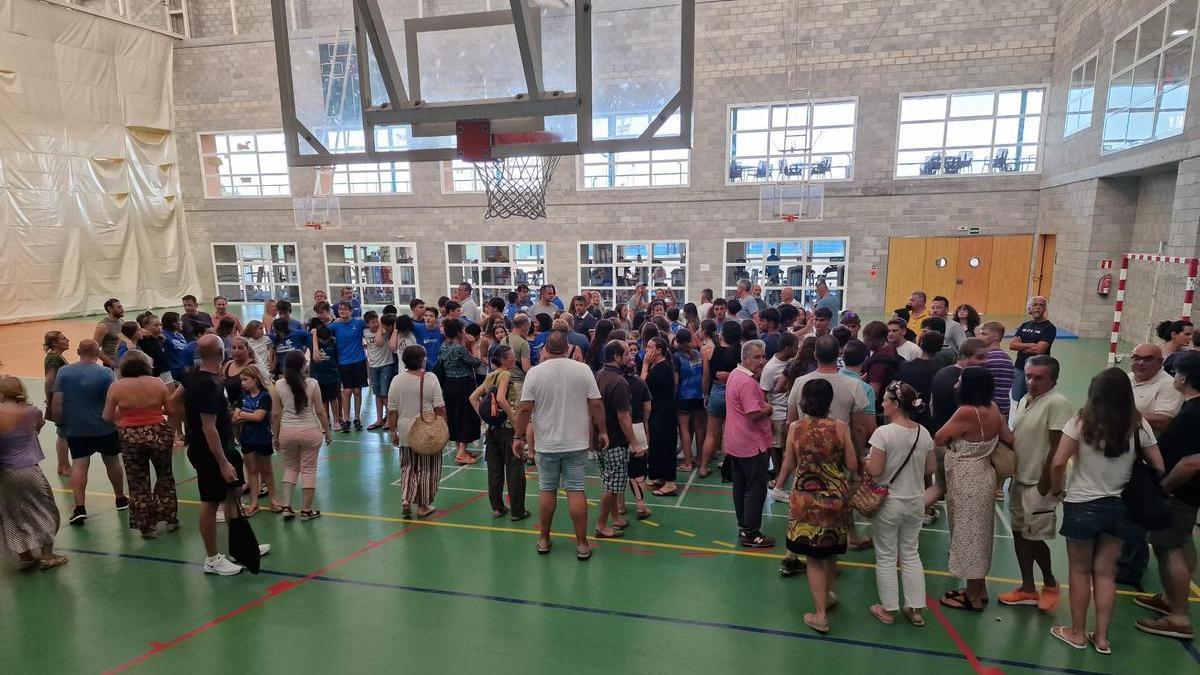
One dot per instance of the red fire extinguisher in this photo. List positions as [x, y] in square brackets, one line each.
[1104, 286]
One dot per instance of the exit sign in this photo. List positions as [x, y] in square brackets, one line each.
[973, 231]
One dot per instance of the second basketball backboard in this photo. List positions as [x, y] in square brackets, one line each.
[387, 80]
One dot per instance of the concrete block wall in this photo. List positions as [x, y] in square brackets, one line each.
[872, 51]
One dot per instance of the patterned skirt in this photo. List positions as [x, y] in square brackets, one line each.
[420, 475]
[28, 515]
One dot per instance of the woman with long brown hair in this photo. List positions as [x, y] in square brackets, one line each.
[298, 422]
[1104, 440]
[28, 516]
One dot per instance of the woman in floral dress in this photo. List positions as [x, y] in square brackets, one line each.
[820, 450]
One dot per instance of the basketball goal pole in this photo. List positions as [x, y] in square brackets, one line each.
[1193, 264]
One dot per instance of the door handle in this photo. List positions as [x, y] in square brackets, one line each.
[958, 282]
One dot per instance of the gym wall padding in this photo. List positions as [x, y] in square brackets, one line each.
[90, 203]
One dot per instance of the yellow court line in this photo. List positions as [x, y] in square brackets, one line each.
[1196, 590]
[729, 549]
[651, 523]
[685, 533]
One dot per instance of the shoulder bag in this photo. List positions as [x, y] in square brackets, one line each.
[869, 497]
[1144, 495]
[427, 436]
[1004, 461]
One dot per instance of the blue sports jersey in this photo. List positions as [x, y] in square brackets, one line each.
[325, 371]
[431, 340]
[349, 336]
[256, 433]
[535, 347]
[295, 341]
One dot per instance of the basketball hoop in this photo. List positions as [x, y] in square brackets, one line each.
[790, 217]
[515, 186]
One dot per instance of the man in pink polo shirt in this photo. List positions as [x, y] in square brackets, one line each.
[748, 443]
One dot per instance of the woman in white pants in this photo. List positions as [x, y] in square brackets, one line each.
[900, 458]
[299, 423]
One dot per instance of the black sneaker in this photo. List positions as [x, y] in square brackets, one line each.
[790, 566]
[79, 517]
[345, 428]
[358, 425]
[756, 540]
[122, 503]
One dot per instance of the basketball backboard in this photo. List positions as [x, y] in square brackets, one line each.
[387, 80]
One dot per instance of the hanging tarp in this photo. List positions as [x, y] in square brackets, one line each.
[90, 202]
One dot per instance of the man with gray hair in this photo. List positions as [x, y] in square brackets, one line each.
[465, 297]
[748, 443]
[749, 305]
[1033, 337]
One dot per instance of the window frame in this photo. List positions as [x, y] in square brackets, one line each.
[360, 288]
[240, 262]
[680, 292]
[612, 162]
[478, 288]
[204, 175]
[991, 143]
[1167, 43]
[770, 104]
[1091, 112]
[377, 171]
[804, 290]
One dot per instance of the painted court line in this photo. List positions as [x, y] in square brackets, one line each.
[955, 637]
[687, 486]
[273, 592]
[614, 613]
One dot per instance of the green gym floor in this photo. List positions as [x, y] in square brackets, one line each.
[364, 590]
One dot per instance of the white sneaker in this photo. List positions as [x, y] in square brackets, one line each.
[222, 566]
[778, 495]
[221, 513]
[263, 549]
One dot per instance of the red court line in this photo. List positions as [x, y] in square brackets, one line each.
[277, 590]
[958, 640]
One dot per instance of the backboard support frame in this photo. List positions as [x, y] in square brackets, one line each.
[523, 112]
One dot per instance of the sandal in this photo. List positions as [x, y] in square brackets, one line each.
[250, 511]
[499, 513]
[309, 515]
[583, 553]
[426, 514]
[884, 616]
[543, 547]
[406, 509]
[957, 599]
[620, 524]
[52, 562]
[811, 622]
[862, 545]
[705, 474]
[276, 507]
[832, 601]
[287, 512]
[644, 514]
[686, 468]
[915, 616]
[518, 517]
[1091, 638]
[1060, 633]
[660, 493]
[616, 534]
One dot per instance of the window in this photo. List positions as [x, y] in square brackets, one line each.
[459, 176]
[969, 132]
[798, 263]
[617, 268]
[244, 164]
[256, 272]
[792, 141]
[1080, 96]
[380, 274]
[1148, 91]
[495, 269]
[372, 178]
[644, 168]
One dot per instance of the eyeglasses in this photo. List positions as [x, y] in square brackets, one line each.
[1135, 357]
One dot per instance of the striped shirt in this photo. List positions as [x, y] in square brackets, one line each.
[1002, 371]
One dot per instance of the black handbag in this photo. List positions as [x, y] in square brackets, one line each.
[243, 545]
[1147, 501]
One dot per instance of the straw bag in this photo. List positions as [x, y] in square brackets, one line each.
[869, 496]
[1004, 461]
[427, 436]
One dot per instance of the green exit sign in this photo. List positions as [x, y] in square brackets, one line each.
[973, 231]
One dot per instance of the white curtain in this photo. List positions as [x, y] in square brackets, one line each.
[90, 204]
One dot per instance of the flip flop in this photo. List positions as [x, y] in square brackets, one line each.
[583, 555]
[1091, 638]
[822, 628]
[1060, 633]
[543, 547]
[957, 599]
[642, 515]
[616, 534]
[660, 493]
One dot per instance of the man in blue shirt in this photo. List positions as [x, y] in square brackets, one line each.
[77, 406]
[429, 335]
[828, 300]
[287, 341]
[352, 362]
[283, 310]
[355, 304]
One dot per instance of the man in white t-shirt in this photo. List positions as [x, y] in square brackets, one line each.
[898, 339]
[769, 382]
[464, 295]
[1037, 424]
[562, 399]
[706, 301]
[849, 405]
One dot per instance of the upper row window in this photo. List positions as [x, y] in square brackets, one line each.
[1148, 91]
[1081, 96]
[969, 132]
[792, 141]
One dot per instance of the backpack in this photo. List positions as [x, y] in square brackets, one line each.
[489, 407]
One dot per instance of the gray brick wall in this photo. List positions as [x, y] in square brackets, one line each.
[743, 49]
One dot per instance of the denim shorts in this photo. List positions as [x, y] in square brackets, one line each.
[561, 470]
[716, 400]
[1086, 521]
[381, 379]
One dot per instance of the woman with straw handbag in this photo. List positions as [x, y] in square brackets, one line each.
[417, 421]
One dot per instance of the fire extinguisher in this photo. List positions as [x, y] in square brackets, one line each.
[1104, 286]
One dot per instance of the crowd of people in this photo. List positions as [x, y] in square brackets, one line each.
[805, 405]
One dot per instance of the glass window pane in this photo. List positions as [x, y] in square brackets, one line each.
[922, 135]
[833, 140]
[272, 142]
[1181, 19]
[750, 118]
[1123, 51]
[1177, 64]
[977, 104]
[961, 133]
[923, 108]
[224, 253]
[1150, 34]
[1120, 91]
[750, 144]
[833, 114]
[1145, 82]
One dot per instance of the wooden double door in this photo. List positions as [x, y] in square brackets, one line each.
[992, 274]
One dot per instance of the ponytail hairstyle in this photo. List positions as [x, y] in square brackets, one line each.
[907, 399]
[293, 374]
[1165, 330]
[49, 339]
[498, 355]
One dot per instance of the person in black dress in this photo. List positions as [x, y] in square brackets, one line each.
[663, 429]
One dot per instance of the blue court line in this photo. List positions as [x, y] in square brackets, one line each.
[758, 630]
[1191, 650]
